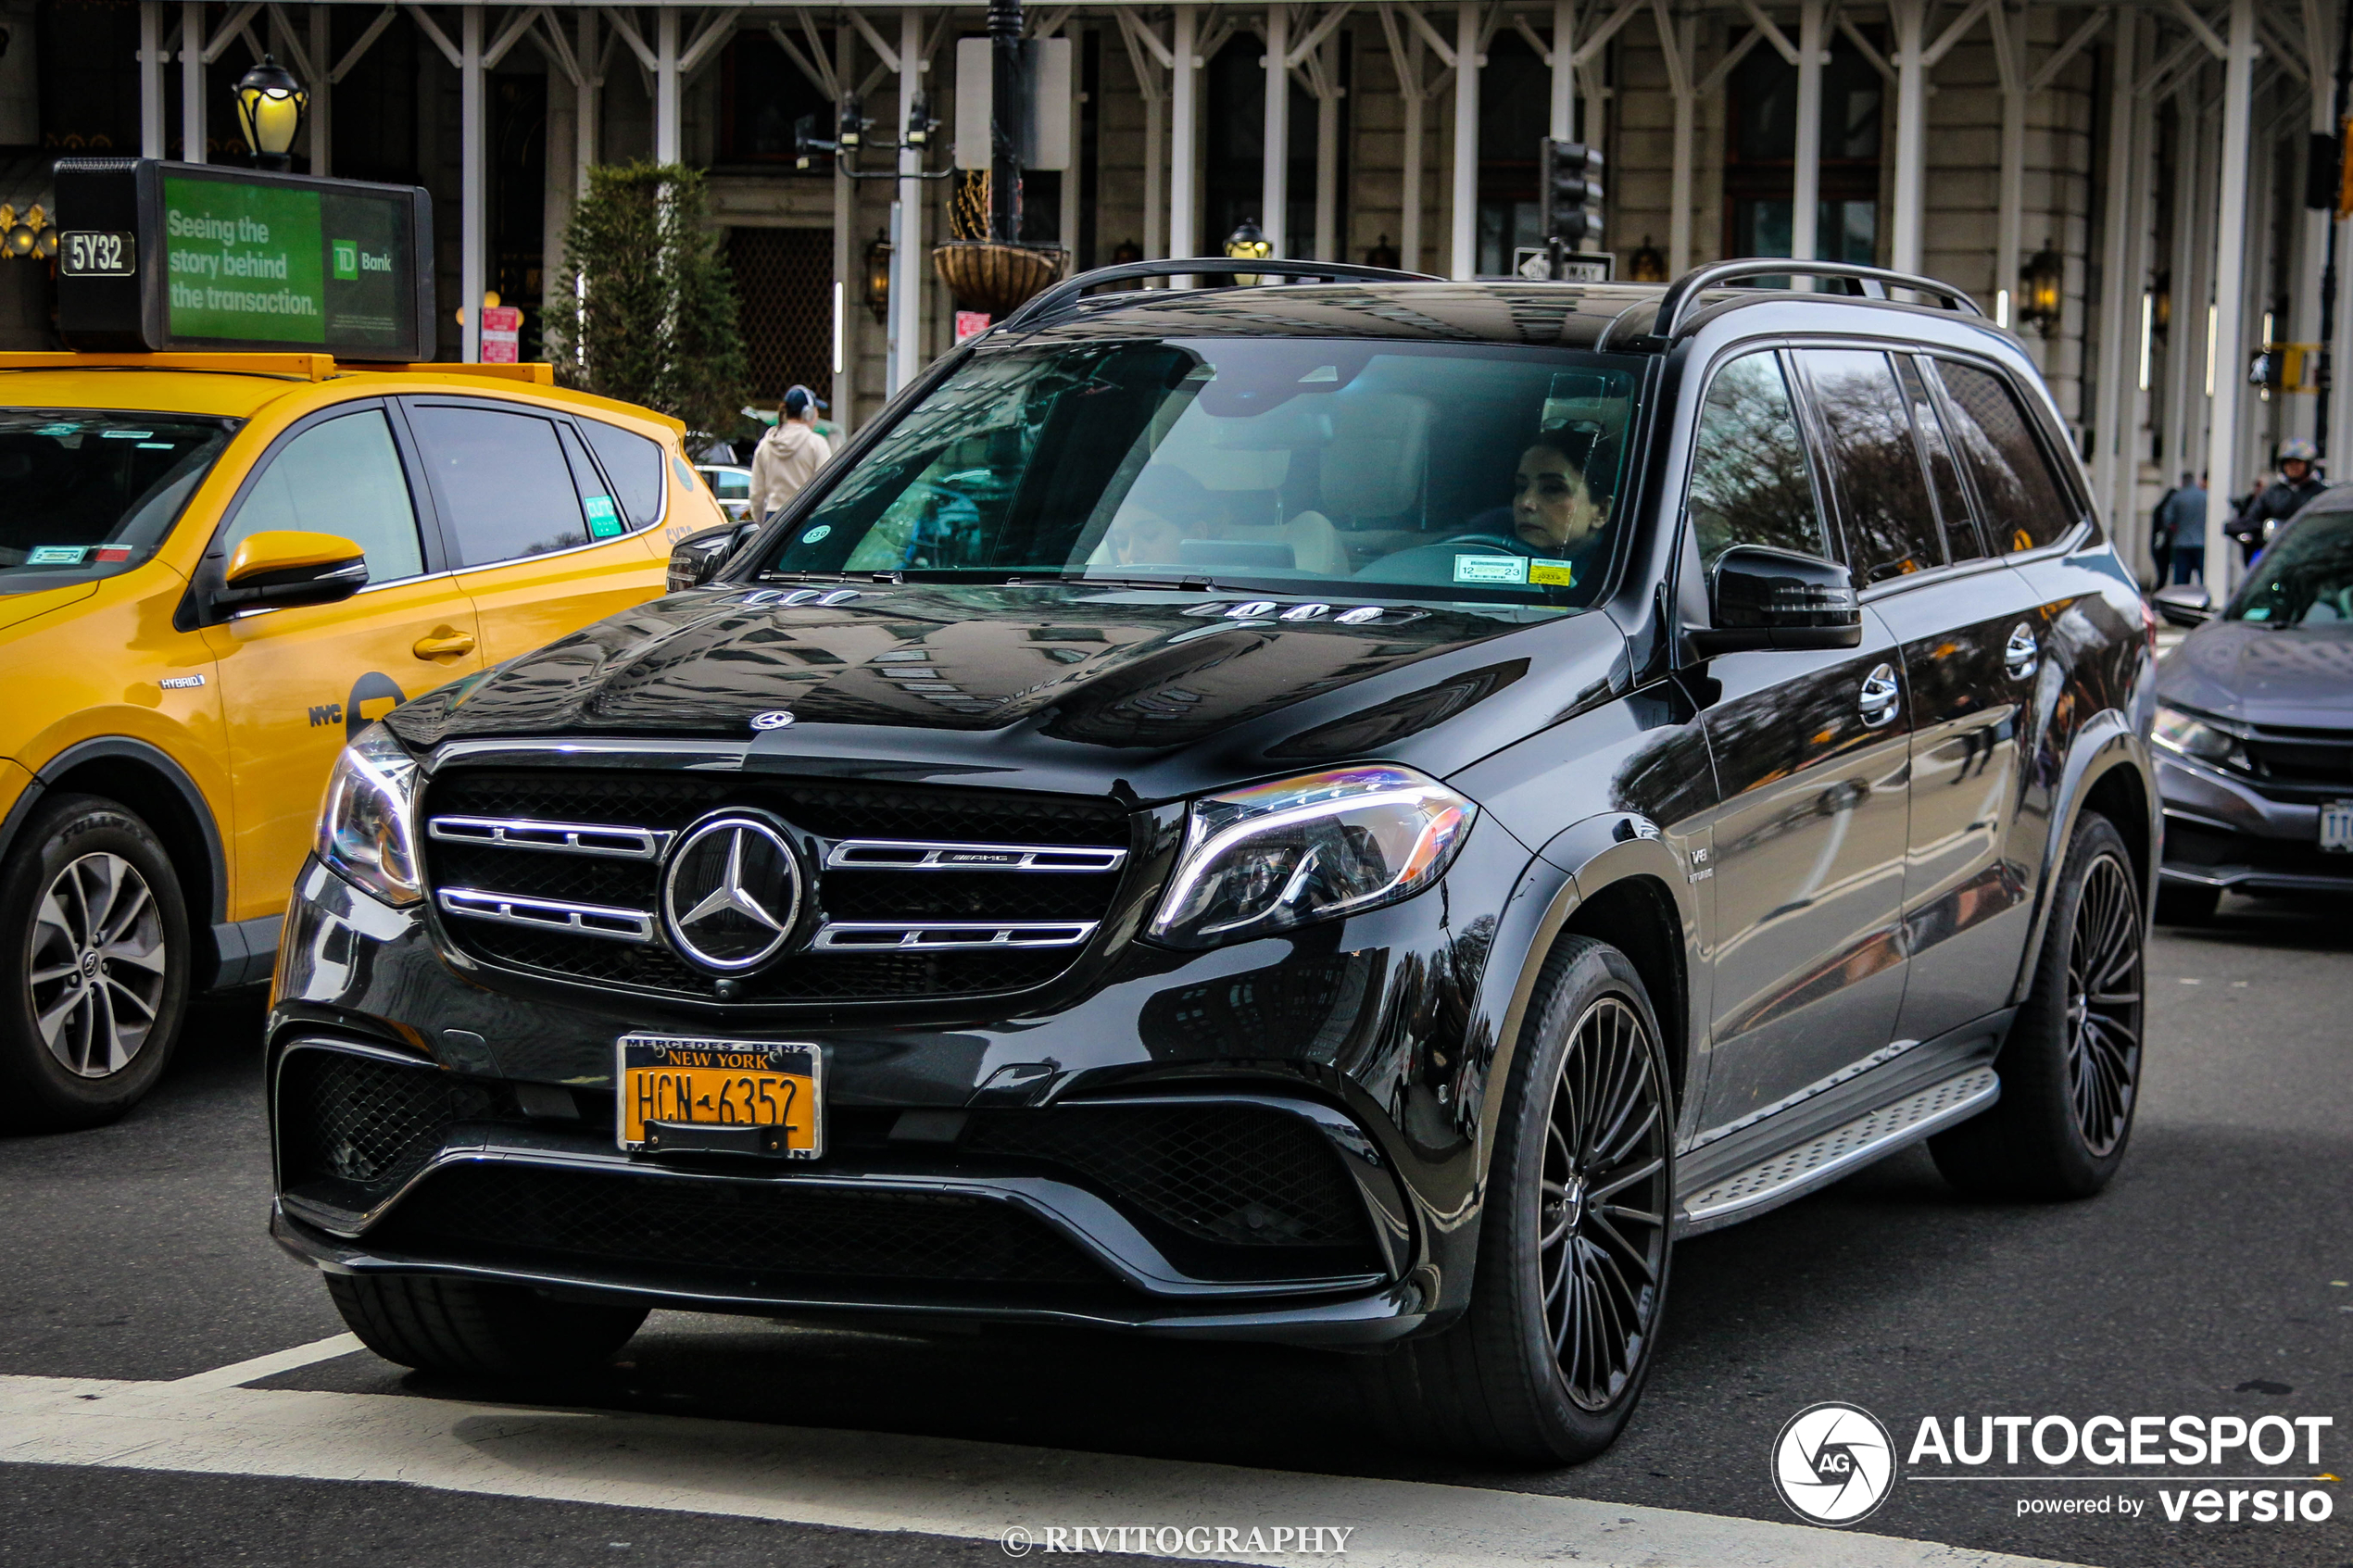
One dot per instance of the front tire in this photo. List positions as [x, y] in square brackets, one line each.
[470, 1328]
[94, 965]
[2072, 1067]
[1549, 1360]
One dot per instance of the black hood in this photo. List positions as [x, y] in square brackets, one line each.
[1155, 694]
[2295, 677]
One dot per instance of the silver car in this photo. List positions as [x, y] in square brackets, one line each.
[2255, 724]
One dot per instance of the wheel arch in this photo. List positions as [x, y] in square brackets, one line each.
[144, 778]
[2108, 771]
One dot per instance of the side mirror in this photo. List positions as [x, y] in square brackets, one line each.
[696, 559]
[1766, 599]
[2184, 603]
[284, 567]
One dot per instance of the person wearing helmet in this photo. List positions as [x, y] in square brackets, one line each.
[2279, 501]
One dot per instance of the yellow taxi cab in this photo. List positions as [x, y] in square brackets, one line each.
[215, 568]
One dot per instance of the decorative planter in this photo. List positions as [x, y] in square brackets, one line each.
[984, 275]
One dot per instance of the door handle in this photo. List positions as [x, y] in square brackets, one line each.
[444, 642]
[2020, 654]
[1881, 693]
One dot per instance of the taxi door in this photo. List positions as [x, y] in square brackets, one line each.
[297, 681]
[546, 535]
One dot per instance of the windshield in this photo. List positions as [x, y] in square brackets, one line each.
[89, 495]
[1367, 469]
[2305, 578]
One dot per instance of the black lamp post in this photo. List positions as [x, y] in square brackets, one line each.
[1006, 100]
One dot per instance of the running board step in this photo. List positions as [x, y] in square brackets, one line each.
[1823, 1160]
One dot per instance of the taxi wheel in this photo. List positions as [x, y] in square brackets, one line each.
[471, 1328]
[94, 965]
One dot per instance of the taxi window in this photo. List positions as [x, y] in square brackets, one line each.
[504, 483]
[340, 476]
[91, 493]
[634, 464]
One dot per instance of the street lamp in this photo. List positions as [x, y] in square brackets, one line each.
[878, 277]
[1248, 243]
[270, 105]
[2038, 291]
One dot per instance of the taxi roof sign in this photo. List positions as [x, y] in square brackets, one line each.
[154, 257]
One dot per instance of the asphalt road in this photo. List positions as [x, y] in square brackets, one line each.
[2208, 1280]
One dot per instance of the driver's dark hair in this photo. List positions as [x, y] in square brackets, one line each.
[1584, 451]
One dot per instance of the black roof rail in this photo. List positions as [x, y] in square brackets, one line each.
[1682, 294]
[1062, 294]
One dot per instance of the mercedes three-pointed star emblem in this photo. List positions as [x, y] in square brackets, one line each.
[730, 893]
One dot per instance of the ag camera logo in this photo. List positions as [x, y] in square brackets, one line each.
[1833, 1464]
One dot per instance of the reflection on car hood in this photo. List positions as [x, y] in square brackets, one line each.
[2295, 677]
[1067, 687]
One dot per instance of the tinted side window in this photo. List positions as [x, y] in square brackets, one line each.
[2026, 507]
[1875, 463]
[1952, 500]
[504, 486]
[634, 464]
[1749, 484]
[342, 476]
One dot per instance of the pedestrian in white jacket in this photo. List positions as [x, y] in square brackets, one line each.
[789, 456]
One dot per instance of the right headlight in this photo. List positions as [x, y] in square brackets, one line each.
[2194, 736]
[1275, 855]
[363, 823]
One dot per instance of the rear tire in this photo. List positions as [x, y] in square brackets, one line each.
[2072, 1067]
[2186, 903]
[1547, 1362]
[468, 1328]
[94, 965]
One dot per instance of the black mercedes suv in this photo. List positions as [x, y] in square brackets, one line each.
[1354, 814]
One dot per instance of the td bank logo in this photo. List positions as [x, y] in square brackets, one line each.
[1833, 1464]
[347, 259]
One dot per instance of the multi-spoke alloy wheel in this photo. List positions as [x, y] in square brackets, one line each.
[2104, 1004]
[94, 964]
[1601, 1205]
[1548, 1359]
[2070, 1069]
[99, 962]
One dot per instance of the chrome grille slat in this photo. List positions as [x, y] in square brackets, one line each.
[932, 854]
[619, 840]
[549, 914]
[934, 936]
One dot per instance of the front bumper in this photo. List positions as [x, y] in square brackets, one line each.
[1353, 1030]
[2222, 832]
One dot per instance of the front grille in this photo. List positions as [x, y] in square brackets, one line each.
[2194, 847]
[351, 1129]
[1236, 1176]
[765, 1230]
[584, 873]
[2302, 761]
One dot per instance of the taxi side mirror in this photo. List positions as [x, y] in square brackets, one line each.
[287, 567]
[697, 558]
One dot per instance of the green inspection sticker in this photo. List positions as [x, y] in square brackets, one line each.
[1491, 568]
[604, 522]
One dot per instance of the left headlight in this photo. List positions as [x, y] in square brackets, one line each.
[363, 823]
[1274, 856]
[2194, 736]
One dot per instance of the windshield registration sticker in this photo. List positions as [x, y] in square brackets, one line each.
[1491, 568]
[56, 555]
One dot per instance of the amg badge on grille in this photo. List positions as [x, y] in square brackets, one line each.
[730, 893]
[776, 720]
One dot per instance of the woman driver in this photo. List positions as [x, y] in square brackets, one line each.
[1554, 512]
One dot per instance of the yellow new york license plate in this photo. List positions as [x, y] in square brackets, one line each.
[750, 1096]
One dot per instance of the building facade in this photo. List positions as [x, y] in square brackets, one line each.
[2125, 183]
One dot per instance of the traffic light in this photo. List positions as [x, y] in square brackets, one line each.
[1568, 195]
